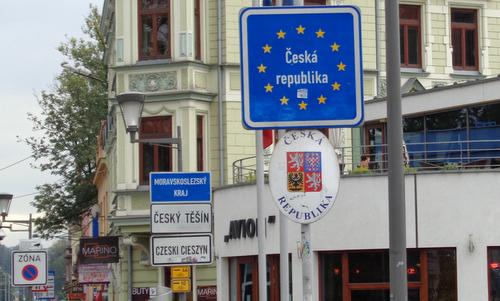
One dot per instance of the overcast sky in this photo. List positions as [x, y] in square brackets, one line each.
[30, 30]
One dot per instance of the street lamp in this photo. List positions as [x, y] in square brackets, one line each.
[131, 105]
[5, 200]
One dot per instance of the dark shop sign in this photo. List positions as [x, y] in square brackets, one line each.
[99, 250]
[245, 228]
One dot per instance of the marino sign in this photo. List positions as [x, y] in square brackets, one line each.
[306, 176]
[99, 250]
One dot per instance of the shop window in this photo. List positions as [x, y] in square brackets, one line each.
[444, 131]
[154, 157]
[375, 146]
[409, 31]
[154, 29]
[464, 39]
[414, 137]
[484, 132]
[494, 273]
[364, 275]
[247, 278]
[200, 155]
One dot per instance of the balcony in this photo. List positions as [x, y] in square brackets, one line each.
[419, 157]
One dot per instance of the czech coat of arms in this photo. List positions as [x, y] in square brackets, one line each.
[304, 171]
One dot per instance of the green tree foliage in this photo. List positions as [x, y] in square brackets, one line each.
[5, 258]
[69, 122]
[57, 263]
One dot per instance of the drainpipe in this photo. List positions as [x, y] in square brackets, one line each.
[377, 47]
[129, 272]
[220, 91]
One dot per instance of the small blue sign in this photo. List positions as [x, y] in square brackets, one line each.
[180, 187]
[301, 67]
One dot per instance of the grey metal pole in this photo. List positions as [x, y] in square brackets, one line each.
[129, 272]
[397, 219]
[307, 262]
[182, 296]
[30, 227]
[284, 271]
[260, 215]
[179, 149]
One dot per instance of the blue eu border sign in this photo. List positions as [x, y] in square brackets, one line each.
[301, 67]
[178, 187]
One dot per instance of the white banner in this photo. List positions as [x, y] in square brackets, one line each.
[181, 218]
[181, 250]
[93, 273]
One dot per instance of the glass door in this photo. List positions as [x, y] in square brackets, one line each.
[375, 146]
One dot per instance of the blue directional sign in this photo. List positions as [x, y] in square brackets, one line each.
[301, 67]
[180, 187]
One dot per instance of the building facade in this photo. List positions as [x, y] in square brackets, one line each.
[184, 56]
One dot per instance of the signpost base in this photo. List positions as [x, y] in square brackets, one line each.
[307, 262]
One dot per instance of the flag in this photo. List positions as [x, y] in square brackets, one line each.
[267, 138]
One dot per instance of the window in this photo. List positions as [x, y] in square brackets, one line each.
[494, 273]
[247, 278]
[464, 39]
[199, 143]
[154, 157]
[409, 31]
[154, 29]
[364, 275]
[197, 30]
[306, 2]
[314, 2]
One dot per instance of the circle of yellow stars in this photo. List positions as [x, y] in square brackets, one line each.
[300, 30]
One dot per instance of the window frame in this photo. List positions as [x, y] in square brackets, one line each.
[347, 287]
[463, 27]
[154, 13]
[406, 23]
[156, 149]
[197, 29]
[273, 262]
[200, 142]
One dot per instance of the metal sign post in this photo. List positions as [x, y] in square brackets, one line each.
[180, 203]
[397, 218]
[29, 268]
[301, 68]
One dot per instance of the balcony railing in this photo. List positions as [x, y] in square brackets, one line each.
[429, 156]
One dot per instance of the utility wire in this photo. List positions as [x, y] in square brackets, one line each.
[17, 162]
[24, 195]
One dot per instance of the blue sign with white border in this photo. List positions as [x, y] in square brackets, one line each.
[180, 187]
[301, 67]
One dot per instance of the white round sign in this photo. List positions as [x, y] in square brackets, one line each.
[304, 175]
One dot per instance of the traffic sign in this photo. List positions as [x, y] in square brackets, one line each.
[45, 292]
[170, 250]
[301, 67]
[182, 271]
[29, 268]
[180, 285]
[180, 187]
[305, 175]
[169, 218]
